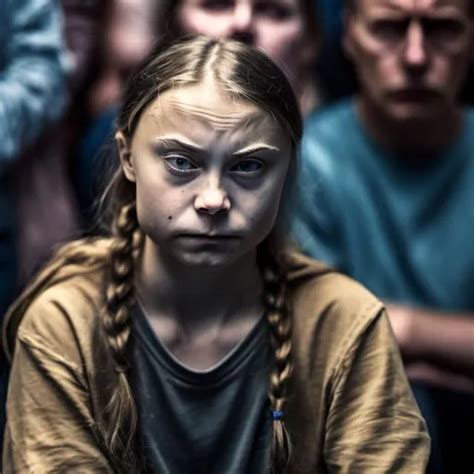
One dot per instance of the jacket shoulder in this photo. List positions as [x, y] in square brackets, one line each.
[331, 311]
[65, 318]
[322, 287]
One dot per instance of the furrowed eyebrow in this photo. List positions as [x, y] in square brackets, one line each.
[254, 149]
[175, 143]
[170, 143]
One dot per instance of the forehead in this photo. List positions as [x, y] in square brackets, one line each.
[206, 103]
[416, 6]
[206, 112]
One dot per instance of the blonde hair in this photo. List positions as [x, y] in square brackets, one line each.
[246, 74]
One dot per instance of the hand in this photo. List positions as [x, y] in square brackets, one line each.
[438, 377]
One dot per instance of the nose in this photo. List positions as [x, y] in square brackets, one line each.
[242, 22]
[212, 200]
[415, 54]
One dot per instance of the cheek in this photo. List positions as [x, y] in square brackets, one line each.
[155, 204]
[263, 207]
[378, 71]
[449, 72]
[281, 42]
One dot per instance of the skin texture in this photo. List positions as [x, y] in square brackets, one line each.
[275, 26]
[411, 57]
[411, 68]
[209, 173]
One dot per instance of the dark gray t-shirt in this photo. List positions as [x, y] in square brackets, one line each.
[215, 421]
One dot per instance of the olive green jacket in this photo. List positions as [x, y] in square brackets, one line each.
[351, 408]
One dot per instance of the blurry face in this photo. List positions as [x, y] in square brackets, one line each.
[82, 28]
[411, 55]
[130, 36]
[275, 26]
[209, 174]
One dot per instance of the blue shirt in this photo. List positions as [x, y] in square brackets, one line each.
[402, 226]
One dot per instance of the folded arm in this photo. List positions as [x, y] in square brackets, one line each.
[438, 347]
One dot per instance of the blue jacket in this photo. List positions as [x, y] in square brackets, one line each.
[32, 94]
[31, 72]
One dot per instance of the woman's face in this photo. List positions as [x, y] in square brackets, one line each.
[277, 27]
[209, 174]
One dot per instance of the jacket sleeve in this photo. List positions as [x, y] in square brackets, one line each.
[31, 72]
[374, 424]
[50, 427]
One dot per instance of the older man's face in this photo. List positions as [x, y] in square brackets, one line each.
[411, 55]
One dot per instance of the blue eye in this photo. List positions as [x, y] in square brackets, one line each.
[248, 167]
[180, 164]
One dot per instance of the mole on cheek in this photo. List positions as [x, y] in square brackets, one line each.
[170, 217]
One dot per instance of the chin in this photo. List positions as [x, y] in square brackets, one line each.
[413, 112]
[208, 260]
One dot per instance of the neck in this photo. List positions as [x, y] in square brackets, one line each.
[411, 136]
[197, 296]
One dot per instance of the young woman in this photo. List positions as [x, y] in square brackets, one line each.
[192, 339]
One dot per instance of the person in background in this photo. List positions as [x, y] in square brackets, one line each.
[46, 207]
[286, 30]
[386, 195]
[32, 97]
[128, 35]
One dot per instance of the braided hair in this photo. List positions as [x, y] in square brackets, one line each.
[248, 75]
[278, 316]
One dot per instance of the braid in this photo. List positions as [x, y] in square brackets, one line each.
[279, 320]
[120, 440]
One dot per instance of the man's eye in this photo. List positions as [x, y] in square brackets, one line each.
[444, 29]
[248, 166]
[389, 30]
[180, 164]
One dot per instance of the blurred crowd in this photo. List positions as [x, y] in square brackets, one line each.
[386, 191]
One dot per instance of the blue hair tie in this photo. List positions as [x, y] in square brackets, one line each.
[277, 415]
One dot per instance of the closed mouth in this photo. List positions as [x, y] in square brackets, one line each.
[415, 95]
[209, 236]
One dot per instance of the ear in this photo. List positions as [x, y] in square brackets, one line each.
[125, 154]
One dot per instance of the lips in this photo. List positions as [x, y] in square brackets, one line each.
[208, 236]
